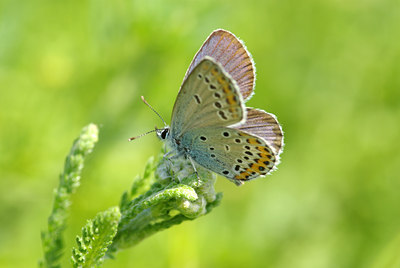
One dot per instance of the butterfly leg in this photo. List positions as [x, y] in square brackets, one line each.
[173, 156]
[169, 157]
[167, 154]
[195, 170]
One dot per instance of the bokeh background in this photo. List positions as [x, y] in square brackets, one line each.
[329, 70]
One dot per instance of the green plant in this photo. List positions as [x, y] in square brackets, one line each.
[168, 193]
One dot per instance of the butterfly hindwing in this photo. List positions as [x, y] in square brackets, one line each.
[264, 125]
[232, 153]
[208, 97]
[231, 53]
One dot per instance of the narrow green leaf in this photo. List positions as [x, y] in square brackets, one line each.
[97, 235]
[52, 241]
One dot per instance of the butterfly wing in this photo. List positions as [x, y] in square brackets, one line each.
[232, 153]
[209, 118]
[208, 97]
[228, 50]
[263, 125]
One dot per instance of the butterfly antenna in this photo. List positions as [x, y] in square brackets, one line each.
[137, 137]
[145, 102]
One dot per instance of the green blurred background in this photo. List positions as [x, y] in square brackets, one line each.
[329, 70]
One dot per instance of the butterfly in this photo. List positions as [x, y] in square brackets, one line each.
[210, 124]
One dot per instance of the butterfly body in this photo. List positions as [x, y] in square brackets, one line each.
[210, 124]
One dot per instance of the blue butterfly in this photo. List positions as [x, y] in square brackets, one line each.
[210, 124]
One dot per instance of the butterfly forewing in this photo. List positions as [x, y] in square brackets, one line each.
[225, 48]
[213, 98]
[264, 125]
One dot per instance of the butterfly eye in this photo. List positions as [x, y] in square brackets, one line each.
[164, 133]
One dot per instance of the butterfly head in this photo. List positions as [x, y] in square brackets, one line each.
[163, 133]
